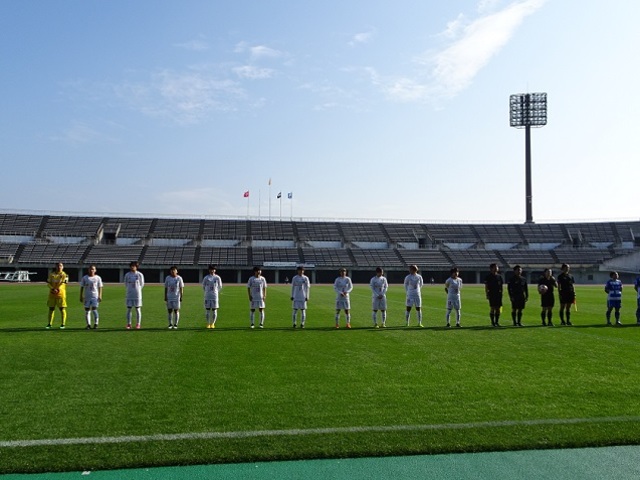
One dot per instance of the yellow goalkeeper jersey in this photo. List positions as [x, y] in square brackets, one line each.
[58, 280]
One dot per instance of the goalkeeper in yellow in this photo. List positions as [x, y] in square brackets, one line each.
[57, 283]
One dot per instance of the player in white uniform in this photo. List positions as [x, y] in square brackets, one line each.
[257, 288]
[452, 286]
[379, 287]
[343, 287]
[134, 283]
[91, 296]
[173, 290]
[413, 284]
[300, 287]
[211, 284]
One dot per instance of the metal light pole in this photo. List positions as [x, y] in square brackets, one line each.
[528, 110]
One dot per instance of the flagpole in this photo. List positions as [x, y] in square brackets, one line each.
[269, 198]
[290, 196]
[280, 207]
[259, 203]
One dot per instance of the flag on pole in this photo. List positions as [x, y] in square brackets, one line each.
[290, 195]
[246, 194]
[279, 195]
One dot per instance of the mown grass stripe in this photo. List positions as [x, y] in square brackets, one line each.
[309, 431]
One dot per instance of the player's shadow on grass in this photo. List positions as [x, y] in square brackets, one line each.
[318, 328]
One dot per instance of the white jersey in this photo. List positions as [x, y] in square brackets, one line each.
[258, 288]
[379, 286]
[453, 285]
[413, 284]
[134, 282]
[92, 286]
[343, 285]
[300, 287]
[211, 284]
[173, 286]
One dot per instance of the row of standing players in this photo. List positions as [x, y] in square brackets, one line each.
[547, 284]
[517, 287]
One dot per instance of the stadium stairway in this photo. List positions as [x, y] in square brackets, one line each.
[446, 255]
[505, 263]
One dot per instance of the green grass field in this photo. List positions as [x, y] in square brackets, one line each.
[281, 393]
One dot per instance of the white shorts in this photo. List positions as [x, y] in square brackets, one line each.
[343, 303]
[257, 304]
[134, 302]
[173, 304]
[299, 305]
[379, 303]
[91, 303]
[453, 303]
[414, 301]
[211, 303]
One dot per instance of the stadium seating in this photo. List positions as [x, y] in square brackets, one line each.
[40, 240]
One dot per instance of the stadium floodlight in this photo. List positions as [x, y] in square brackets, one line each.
[528, 110]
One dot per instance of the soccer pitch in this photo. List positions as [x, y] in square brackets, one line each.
[83, 400]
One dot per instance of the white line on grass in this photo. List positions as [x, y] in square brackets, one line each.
[309, 431]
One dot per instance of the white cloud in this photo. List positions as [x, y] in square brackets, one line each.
[456, 66]
[186, 97]
[197, 45]
[253, 73]
[258, 51]
[454, 27]
[471, 45]
[362, 37]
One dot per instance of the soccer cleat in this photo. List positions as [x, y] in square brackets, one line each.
[608, 322]
[544, 324]
[496, 324]
[253, 326]
[48, 327]
[458, 325]
[420, 325]
[294, 325]
[208, 326]
[128, 327]
[569, 323]
[261, 325]
[550, 323]
[302, 325]
[88, 327]
[337, 326]
[170, 326]
[62, 327]
[618, 322]
[348, 325]
[138, 327]
[562, 322]
[213, 325]
[406, 323]
[448, 325]
[384, 325]
[95, 326]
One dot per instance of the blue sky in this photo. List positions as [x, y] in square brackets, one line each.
[363, 109]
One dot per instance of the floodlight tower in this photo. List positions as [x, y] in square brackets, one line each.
[528, 110]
